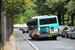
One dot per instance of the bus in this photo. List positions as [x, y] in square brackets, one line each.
[43, 27]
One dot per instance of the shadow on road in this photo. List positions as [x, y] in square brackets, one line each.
[42, 40]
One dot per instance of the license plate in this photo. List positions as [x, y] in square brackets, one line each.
[49, 36]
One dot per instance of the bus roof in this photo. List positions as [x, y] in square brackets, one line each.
[42, 17]
[36, 17]
[32, 20]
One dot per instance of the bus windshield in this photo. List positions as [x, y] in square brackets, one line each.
[48, 21]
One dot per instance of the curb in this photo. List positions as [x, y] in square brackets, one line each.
[32, 45]
[15, 42]
[17, 46]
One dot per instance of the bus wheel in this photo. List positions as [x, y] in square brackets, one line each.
[54, 38]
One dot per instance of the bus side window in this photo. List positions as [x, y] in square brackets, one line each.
[35, 25]
[31, 27]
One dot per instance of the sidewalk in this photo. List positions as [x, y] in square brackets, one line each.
[8, 45]
[19, 43]
[1, 46]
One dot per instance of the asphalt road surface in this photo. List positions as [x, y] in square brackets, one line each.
[48, 44]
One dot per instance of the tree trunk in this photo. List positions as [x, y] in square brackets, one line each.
[11, 28]
[0, 21]
[3, 25]
[8, 28]
[72, 17]
[63, 19]
[0, 29]
[68, 18]
[59, 19]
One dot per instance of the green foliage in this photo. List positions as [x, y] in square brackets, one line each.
[47, 7]
[57, 6]
[20, 11]
[27, 14]
[41, 8]
[71, 6]
[31, 5]
[13, 9]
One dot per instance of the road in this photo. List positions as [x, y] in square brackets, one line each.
[48, 44]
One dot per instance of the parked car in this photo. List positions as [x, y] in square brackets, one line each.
[61, 28]
[71, 34]
[65, 32]
[21, 29]
[26, 30]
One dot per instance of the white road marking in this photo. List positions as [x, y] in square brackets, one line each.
[31, 44]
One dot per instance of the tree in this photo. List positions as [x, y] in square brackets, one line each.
[16, 7]
[48, 7]
[10, 14]
[71, 10]
[13, 10]
[40, 8]
[27, 14]
[57, 7]
[0, 20]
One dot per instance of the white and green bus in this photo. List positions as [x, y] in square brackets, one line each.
[43, 27]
